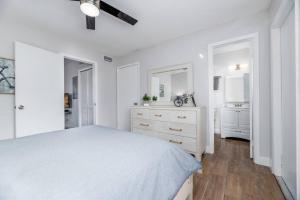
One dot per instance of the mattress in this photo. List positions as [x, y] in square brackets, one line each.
[92, 163]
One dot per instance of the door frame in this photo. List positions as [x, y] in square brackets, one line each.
[95, 82]
[297, 29]
[138, 88]
[276, 115]
[79, 99]
[254, 94]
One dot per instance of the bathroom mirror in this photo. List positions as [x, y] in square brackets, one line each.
[168, 82]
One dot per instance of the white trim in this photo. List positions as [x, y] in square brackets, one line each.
[282, 12]
[95, 80]
[254, 97]
[138, 88]
[285, 190]
[276, 101]
[261, 160]
[297, 56]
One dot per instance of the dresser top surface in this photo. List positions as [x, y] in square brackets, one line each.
[166, 108]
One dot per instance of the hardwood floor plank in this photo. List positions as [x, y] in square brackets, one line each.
[215, 188]
[230, 174]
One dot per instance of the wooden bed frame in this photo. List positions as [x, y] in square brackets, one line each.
[186, 191]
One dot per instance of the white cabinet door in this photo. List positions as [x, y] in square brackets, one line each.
[244, 120]
[39, 90]
[230, 119]
[127, 93]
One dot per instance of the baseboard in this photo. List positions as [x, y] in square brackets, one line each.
[265, 161]
[209, 149]
[217, 131]
[285, 190]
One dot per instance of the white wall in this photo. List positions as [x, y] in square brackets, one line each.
[187, 49]
[62, 44]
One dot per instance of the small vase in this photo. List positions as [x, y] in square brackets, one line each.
[146, 103]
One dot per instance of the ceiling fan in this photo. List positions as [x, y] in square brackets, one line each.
[91, 8]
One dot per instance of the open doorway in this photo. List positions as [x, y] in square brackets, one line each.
[232, 65]
[233, 68]
[79, 93]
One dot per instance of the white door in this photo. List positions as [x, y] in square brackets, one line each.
[39, 90]
[86, 105]
[288, 106]
[127, 93]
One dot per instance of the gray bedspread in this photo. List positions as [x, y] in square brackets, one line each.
[92, 163]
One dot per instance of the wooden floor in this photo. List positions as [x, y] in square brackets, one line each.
[230, 174]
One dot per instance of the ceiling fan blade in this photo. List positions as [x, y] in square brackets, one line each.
[117, 13]
[90, 23]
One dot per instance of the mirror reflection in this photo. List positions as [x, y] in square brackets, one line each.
[166, 84]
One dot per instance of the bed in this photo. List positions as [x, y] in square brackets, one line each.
[92, 163]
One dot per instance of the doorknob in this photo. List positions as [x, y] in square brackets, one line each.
[20, 107]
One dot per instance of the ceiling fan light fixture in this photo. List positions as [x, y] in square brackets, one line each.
[90, 7]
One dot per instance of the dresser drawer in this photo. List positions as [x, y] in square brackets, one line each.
[181, 129]
[189, 117]
[140, 113]
[160, 115]
[142, 124]
[188, 144]
[144, 132]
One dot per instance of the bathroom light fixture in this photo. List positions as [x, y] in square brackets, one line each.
[90, 7]
[237, 67]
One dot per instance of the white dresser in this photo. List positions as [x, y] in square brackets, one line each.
[235, 122]
[184, 127]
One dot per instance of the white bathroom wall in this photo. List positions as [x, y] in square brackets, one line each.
[187, 49]
[46, 39]
[222, 64]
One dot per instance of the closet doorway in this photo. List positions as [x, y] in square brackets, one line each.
[233, 93]
[79, 98]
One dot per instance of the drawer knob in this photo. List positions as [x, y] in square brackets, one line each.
[158, 115]
[181, 117]
[175, 142]
[146, 125]
[175, 129]
[140, 114]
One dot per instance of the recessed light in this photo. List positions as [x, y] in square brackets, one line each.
[201, 55]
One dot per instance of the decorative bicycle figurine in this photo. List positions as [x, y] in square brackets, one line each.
[184, 99]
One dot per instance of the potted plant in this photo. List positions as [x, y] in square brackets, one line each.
[154, 98]
[146, 100]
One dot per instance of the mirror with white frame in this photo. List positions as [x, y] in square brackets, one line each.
[168, 82]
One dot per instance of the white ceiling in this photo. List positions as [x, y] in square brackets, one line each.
[159, 20]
